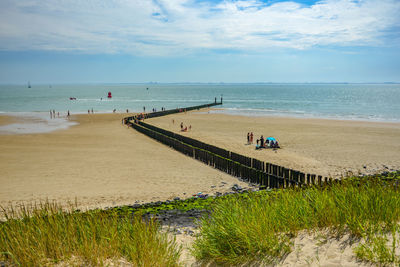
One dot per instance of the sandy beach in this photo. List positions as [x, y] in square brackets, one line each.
[100, 163]
[5, 120]
[325, 147]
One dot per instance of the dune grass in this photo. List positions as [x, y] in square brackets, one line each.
[261, 226]
[241, 228]
[46, 235]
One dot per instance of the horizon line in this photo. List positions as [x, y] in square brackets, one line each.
[161, 83]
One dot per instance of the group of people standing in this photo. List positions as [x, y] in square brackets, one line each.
[270, 142]
[249, 138]
[153, 110]
[53, 114]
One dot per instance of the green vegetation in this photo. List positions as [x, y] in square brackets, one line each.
[261, 226]
[181, 205]
[239, 228]
[45, 235]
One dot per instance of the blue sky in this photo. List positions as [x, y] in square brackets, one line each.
[122, 41]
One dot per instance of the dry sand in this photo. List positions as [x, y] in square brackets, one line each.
[101, 163]
[309, 250]
[324, 147]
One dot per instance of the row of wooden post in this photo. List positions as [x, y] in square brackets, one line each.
[292, 176]
[248, 169]
[171, 111]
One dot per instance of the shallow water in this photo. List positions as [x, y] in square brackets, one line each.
[371, 102]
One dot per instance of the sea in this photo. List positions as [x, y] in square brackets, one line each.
[365, 102]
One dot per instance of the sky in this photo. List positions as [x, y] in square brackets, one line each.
[177, 41]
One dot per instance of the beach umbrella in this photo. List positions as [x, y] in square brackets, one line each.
[271, 139]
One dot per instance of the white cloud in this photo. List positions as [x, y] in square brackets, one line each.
[163, 27]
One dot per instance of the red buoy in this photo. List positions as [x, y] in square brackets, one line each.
[109, 95]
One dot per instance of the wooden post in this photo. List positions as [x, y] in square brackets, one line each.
[285, 184]
[313, 179]
[295, 177]
[302, 179]
[287, 177]
[281, 182]
[280, 171]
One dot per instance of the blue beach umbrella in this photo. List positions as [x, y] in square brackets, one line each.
[271, 139]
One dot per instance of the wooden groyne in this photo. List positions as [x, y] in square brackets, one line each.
[246, 168]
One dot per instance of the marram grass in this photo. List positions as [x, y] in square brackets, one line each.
[46, 235]
[259, 227]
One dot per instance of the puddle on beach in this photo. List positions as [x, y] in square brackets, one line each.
[34, 123]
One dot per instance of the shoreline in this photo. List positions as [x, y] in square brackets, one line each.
[102, 163]
[10, 122]
[225, 111]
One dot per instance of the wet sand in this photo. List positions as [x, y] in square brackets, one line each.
[4, 120]
[100, 163]
[103, 163]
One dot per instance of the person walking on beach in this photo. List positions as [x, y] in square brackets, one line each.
[248, 138]
[262, 141]
[92, 110]
[51, 114]
[181, 126]
[68, 114]
[251, 137]
[54, 114]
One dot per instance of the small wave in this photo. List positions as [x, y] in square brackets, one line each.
[267, 110]
[301, 114]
